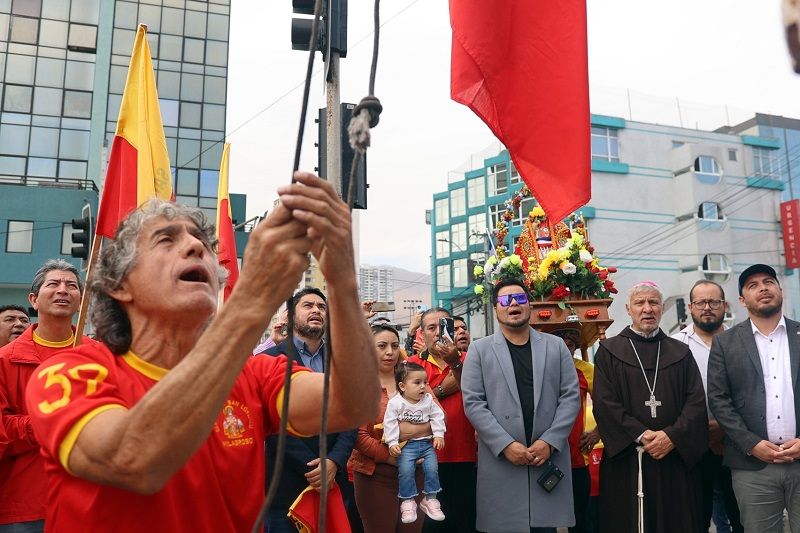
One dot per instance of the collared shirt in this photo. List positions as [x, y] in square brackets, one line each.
[773, 350]
[310, 360]
[264, 346]
[700, 351]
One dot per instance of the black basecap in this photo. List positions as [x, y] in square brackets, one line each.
[755, 269]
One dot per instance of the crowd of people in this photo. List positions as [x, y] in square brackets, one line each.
[166, 419]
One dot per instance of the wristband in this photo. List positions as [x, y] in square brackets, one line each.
[440, 391]
[457, 366]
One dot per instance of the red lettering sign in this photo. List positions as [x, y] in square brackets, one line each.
[790, 221]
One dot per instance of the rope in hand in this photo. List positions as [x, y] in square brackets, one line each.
[365, 116]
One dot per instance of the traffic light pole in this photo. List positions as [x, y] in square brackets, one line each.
[333, 141]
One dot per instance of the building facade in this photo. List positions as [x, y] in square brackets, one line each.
[670, 205]
[63, 66]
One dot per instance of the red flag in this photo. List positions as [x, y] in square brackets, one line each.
[522, 67]
[226, 251]
[138, 168]
[304, 512]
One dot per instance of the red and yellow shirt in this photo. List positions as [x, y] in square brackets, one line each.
[460, 444]
[23, 483]
[585, 372]
[220, 488]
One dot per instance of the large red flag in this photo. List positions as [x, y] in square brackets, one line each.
[522, 66]
[138, 168]
[226, 252]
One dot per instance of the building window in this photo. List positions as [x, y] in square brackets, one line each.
[24, 30]
[83, 38]
[442, 208]
[19, 238]
[731, 154]
[458, 203]
[521, 213]
[605, 146]
[514, 173]
[710, 211]
[715, 267]
[460, 278]
[458, 236]
[442, 244]
[707, 170]
[29, 8]
[765, 164]
[477, 225]
[476, 192]
[497, 177]
[495, 212]
[17, 98]
[443, 278]
[677, 144]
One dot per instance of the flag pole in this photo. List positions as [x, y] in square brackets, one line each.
[85, 296]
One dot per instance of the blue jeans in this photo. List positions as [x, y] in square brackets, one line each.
[407, 464]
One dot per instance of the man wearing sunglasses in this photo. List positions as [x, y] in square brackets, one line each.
[520, 392]
[707, 307]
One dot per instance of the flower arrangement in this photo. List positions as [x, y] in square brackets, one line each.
[566, 267]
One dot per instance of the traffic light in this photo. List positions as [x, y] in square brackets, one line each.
[680, 305]
[332, 30]
[346, 158]
[82, 235]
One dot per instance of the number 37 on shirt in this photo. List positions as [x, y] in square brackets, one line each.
[57, 381]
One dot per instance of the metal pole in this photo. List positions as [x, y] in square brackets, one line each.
[333, 172]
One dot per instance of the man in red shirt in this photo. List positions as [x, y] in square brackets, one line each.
[13, 321]
[56, 295]
[442, 362]
[161, 427]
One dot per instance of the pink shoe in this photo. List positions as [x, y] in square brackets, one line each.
[432, 508]
[408, 511]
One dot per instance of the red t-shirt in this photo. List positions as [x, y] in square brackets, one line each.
[459, 439]
[219, 489]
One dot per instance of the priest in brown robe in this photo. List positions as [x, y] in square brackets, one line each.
[648, 392]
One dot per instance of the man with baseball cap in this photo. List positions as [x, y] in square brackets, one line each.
[752, 370]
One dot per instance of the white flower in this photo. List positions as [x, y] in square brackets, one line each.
[585, 255]
[504, 262]
[568, 268]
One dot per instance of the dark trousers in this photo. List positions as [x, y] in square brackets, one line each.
[581, 483]
[459, 482]
[376, 496]
[713, 471]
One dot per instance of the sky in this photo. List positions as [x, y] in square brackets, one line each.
[700, 64]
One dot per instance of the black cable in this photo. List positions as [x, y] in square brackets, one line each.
[291, 351]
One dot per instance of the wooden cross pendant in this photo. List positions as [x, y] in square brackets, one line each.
[653, 404]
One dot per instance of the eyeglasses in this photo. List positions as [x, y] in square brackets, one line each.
[713, 304]
[505, 300]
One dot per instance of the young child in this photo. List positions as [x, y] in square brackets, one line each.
[413, 404]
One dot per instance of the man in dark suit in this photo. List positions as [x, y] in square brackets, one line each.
[752, 378]
[302, 465]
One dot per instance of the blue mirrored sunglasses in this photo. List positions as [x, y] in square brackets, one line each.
[505, 300]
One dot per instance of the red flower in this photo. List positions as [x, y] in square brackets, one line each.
[590, 249]
[603, 274]
[612, 290]
[560, 292]
[612, 269]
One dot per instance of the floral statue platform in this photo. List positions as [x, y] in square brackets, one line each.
[568, 286]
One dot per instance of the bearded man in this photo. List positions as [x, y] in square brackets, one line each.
[752, 378]
[650, 409]
[707, 307]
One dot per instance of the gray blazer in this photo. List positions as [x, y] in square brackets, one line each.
[509, 499]
[736, 393]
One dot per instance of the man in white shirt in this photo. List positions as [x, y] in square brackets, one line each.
[752, 372]
[707, 306]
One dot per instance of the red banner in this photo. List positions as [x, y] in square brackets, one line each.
[790, 221]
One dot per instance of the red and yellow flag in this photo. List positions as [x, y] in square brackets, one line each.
[226, 251]
[138, 168]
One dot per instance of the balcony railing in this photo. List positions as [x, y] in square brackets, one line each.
[63, 183]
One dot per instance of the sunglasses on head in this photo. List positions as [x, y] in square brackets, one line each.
[505, 300]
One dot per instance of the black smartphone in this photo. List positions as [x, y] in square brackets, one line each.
[447, 329]
[551, 476]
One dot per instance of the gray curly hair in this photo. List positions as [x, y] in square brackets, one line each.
[118, 257]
